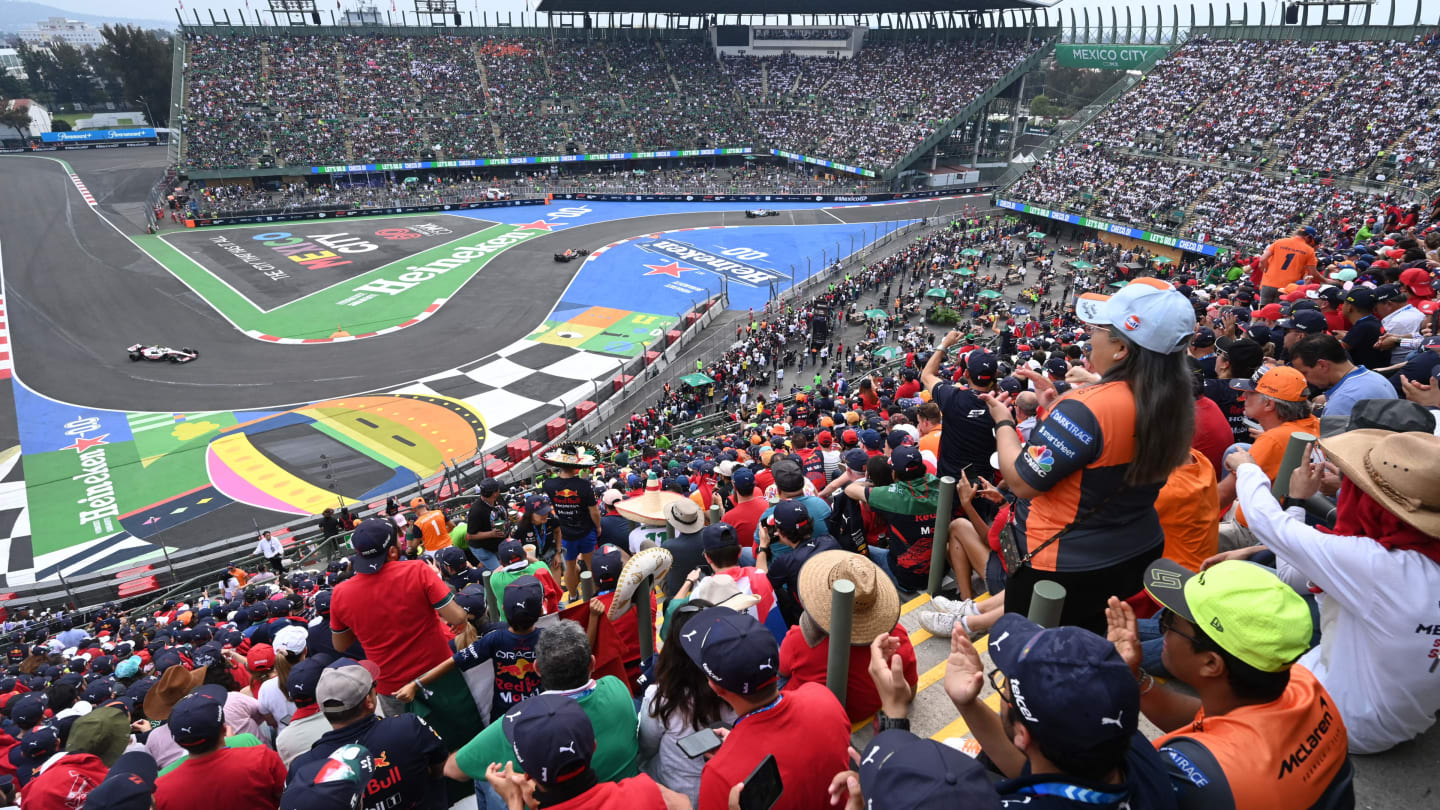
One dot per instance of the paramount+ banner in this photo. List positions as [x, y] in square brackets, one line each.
[1109, 57]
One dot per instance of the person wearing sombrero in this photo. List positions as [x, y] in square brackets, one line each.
[805, 650]
[647, 511]
[1377, 574]
[577, 510]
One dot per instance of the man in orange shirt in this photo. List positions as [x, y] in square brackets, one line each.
[434, 529]
[928, 415]
[1276, 400]
[1191, 528]
[1287, 261]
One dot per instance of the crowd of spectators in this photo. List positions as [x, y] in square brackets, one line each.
[367, 98]
[1120, 447]
[801, 33]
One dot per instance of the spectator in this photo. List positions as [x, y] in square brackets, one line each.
[274, 553]
[96, 742]
[745, 514]
[409, 756]
[686, 523]
[486, 523]
[514, 564]
[804, 651]
[792, 529]
[1232, 636]
[804, 729]
[908, 507]
[1287, 261]
[337, 782]
[1084, 481]
[1363, 334]
[1327, 368]
[309, 722]
[389, 607]
[129, 784]
[576, 510]
[968, 440]
[1235, 359]
[212, 774]
[557, 741]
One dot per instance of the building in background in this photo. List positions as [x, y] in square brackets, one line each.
[73, 32]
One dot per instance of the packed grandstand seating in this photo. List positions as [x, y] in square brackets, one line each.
[372, 97]
[1246, 139]
[802, 33]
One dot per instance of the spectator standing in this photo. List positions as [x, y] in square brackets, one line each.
[390, 608]
[745, 514]
[1287, 261]
[486, 523]
[805, 729]
[308, 723]
[274, 553]
[968, 440]
[576, 510]
[430, 531]
[409, 756]
[686, 523]
[1232, 635]
[1088, 478]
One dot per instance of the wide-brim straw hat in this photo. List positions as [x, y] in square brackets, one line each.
[652, 562]
[1401, 471]
[575, 458]
[649, 508]
[877, 602]
[176, 683]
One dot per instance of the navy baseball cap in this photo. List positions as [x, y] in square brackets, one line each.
[488, 486]
[856, 459]
[790, 515]
[980, 366]
[744, 480]
[1331, 293]
[199, 717]
[128, 785]
[907, 463]
[1068, 685]
[27, 710]
[322, 603]
[733, 649]
[1204, 338]
[1390, 292]
[1310, 231]
[303, 678]
[337, 782]
[718, 536]
[510, 551]
[605, 566]
[524, 599]
[472, 598]
[899, 438]
[1361, 297]
[372, 540]
[539, 504]
[452, 557]
[40, 743]
[552, 736]
[1309, 321]
[899, 771]
[1011, 385]
[871, 439]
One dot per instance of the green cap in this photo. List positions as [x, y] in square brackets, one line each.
[1243, 607]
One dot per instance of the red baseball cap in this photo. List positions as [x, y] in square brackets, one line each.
[260, 658]
[1418, 280]
[1269, 312]
[824, 438]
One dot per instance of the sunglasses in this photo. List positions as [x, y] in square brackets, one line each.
[1167, 625]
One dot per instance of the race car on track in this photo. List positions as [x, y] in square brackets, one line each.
[142, 352]
[570, 253]
[761, 212]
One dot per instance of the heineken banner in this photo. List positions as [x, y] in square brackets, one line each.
[1109, 57]
[1110, 227]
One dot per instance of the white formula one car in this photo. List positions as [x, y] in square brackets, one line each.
[761, 212]
[141, 351]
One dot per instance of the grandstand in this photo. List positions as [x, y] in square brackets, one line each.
[277, 100]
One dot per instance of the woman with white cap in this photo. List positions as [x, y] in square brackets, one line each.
[1089, 474]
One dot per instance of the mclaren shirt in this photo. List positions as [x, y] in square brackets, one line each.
[1077, 458]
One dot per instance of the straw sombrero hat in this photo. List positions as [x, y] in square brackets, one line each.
[877, 603]
[573, 455]
[649, 508]
[1401, 471]
[652, 562]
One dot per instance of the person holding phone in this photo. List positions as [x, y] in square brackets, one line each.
[805, 728]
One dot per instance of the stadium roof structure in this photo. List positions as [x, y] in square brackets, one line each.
[774, 7]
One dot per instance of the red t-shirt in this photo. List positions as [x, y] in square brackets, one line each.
[806, 664]
[806, 730]
[1212, 432]
[637, 792]
[64, 785]
[745, 517]
[1335, 320]
[392, 614]
[227, 779]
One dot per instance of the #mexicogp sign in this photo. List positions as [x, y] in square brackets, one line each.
[1109, 57]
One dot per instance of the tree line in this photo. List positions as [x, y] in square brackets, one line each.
[130, 65]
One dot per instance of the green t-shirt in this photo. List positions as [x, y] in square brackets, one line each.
[503, 577]
[238, 741]
[611, 710]
[457, 535]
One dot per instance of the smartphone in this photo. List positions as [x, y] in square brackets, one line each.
[700, 743]
[762, 787]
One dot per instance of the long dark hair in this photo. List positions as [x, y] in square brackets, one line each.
[1164, 410]
[680, 686]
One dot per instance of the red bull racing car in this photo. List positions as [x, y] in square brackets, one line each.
[140, 351]
[570, 253]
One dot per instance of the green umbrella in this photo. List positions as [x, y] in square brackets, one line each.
[936, 292]
[875, 313]
[887, 352]
[970, 252]
[1161, 259]
[1081, 264]
[964, 271]
[989, 294]
[696, 379]
[1118, 283]
[1036, 235]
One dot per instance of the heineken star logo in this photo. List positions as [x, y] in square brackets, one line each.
[82, 444]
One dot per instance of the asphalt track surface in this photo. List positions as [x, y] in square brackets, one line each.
[78, 292]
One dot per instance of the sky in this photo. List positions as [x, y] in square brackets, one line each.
[165, 9]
